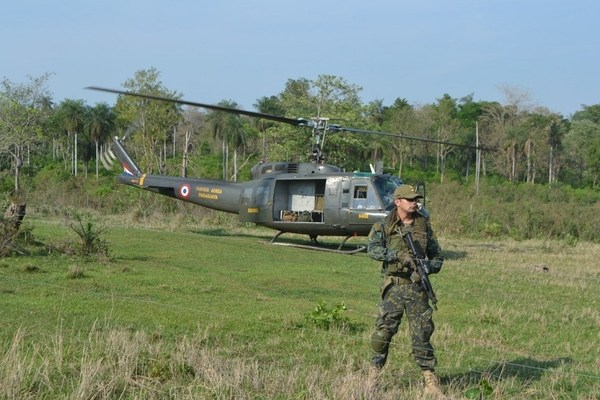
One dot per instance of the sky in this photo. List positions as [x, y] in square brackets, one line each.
[547, 52]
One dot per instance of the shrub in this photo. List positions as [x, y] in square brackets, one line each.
[326, 317]
[90, 234]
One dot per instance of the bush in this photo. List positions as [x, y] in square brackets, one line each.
[90, 234]
[521, 211]
[326, 317]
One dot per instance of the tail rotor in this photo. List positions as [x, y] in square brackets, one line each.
[107, 158]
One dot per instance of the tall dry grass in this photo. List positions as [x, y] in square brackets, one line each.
[117, 363]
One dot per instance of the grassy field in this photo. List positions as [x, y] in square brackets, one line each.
[210, 313]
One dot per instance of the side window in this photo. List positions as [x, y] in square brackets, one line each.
[364, 197]
[359, 198]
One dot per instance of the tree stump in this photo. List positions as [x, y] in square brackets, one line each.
[9, 226]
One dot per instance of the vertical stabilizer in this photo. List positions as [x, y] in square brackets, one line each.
[129, 166]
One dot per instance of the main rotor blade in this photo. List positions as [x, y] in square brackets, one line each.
[339, 128]
[285, 120]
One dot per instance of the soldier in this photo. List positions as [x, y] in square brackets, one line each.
[401, 291]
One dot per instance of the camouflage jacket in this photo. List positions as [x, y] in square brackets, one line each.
[387, 244]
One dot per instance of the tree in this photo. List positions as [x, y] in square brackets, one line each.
[149, 122]
[329, 97]
[582, 143]
[267, 105]
[72, 116]
[588, 113]
[287, 142]
[447, 126]
[499, 129]
[543, 131]
[24, 109]
[556, 131]
[230, 130]
[400, 118]
[585, 135]
[468, 114]
[534, 125]
[375, 115]
[193, 120]
[100, 124]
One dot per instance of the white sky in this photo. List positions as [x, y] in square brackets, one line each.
[242, 50]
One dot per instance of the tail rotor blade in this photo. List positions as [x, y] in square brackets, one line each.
[107, 158]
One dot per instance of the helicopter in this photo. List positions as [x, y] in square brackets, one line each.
[311, 198]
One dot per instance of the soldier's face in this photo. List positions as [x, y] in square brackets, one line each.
[407, 205]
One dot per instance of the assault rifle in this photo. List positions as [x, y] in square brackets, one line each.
[422, 269]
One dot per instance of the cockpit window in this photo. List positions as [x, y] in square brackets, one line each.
[385, 186]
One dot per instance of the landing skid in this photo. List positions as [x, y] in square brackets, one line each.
[319, 247]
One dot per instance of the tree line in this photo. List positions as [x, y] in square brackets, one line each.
[530, 144]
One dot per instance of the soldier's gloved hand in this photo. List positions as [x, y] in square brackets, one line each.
[391, 257]
[415, 277]
[405, 260]
[434, 266]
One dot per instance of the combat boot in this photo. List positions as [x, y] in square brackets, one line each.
[432, 388]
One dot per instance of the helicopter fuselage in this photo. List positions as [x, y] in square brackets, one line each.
[305, 198]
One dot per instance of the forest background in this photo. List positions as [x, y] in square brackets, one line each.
[539, 176]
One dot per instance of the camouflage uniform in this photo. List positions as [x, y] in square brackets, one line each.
[401, 291]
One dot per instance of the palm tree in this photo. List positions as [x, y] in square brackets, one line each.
[229, 129]
[72, 117]
[267, 105]
[100, 123]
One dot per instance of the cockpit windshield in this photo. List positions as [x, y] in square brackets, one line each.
[385, 186]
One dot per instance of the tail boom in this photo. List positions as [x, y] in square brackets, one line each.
[216, 195]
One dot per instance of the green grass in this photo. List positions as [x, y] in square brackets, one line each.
[212, 313]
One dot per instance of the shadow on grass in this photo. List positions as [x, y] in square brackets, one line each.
[297, 240]
[524, 369]
[132, 258]
[454, 255]
[221, 232]
[347, 248]
[218, 232]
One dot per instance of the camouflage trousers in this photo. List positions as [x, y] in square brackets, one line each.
[399, 300]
